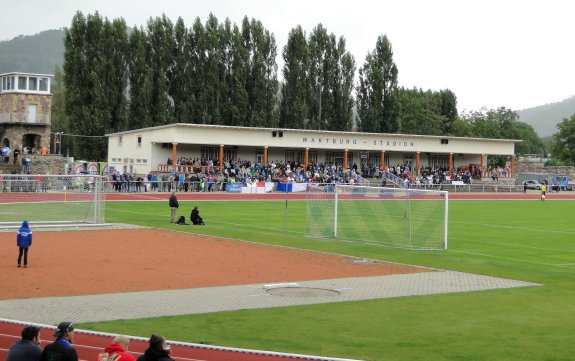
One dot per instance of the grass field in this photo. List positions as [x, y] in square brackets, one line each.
[524, 240]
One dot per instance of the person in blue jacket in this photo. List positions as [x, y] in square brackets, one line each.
[24, 241]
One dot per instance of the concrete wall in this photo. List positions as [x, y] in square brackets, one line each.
[43, 164]
[539, 167]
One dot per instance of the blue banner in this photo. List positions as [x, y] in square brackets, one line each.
[234, 187]
[282, 187]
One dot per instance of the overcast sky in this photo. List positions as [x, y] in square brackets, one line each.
[492, 53]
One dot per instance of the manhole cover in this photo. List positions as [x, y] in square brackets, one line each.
[302, 292]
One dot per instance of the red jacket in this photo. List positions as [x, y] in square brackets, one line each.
[115, 352]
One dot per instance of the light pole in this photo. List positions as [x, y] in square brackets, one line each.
[60, 141]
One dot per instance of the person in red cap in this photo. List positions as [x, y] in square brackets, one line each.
[117, 351]
[61, 349]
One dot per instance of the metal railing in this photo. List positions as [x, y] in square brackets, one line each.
[167, 186]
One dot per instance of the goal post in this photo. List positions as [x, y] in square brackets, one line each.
[51, 199]
[395, 217]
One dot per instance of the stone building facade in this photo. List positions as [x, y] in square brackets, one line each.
[25, 105]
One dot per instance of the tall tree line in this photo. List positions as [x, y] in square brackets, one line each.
[117, 78]
[318, 81]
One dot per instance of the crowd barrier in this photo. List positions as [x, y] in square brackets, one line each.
[254, 188]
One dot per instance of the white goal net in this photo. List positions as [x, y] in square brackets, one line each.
[48, 199]
[395, 217]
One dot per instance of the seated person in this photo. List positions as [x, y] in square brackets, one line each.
[195, 217]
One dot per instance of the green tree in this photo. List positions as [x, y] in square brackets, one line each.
[59, 120]
[417, 112]
[321, 49]
[448, 109]
[140, 79]
[562, 146]
[501, 123]
[331, 70]
[161, 39]
[179, 74]
[341, 84]
[262, 81]
[294, 108]
[95, 82]
[376, 92]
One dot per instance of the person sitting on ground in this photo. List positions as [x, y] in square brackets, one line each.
[158, 350]
[195, 217]
[117, 351]
[61, 349]
[28, 348]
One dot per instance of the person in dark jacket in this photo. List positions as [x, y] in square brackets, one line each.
[61, 349]
[24, 241]
[173, 207]
[195, 217]
[28, 348]
[158, 350]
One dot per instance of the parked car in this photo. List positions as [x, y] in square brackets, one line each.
[532, 184]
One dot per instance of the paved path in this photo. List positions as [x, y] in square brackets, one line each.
[131, 305]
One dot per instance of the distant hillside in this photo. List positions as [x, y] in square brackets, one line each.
[38, 53]
[544, 118]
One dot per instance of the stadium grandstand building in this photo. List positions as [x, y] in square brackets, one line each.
[154, 149]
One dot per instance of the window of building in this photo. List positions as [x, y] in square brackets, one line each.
[297, 156]
[21, 83]
[408, 159]
[32, 83]
[373, 159]
[32, 113]
[337, 158]
[438, 161]
[289, 156]
[120, 141]
[312, 156]
[43, 85]
[230, 153]
[210, 153]
[259, 155]
[139, 141]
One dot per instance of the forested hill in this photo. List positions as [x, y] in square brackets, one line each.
[544, 118]
[38, 53]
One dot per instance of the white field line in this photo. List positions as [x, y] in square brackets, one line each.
[513, 259]
[515, 245]
[539, 229]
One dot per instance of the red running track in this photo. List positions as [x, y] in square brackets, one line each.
[89, 344]
[224, 196]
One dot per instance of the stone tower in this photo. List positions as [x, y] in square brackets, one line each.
[25, 104]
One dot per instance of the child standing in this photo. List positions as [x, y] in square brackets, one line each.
[24, 241]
